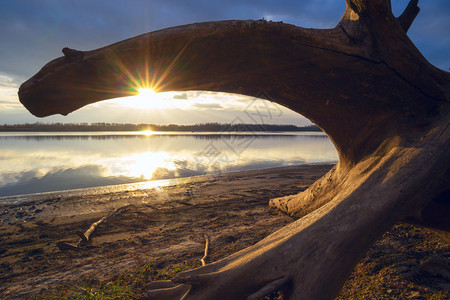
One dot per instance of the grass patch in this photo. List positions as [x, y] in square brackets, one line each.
[128, 286]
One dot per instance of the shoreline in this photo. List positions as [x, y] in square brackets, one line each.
[160, 231]
[116, 193]
[133, 186]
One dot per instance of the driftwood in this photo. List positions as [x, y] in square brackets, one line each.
[86, 236]
[205, 256]
[383, 105]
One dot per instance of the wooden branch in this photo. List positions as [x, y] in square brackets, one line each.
[409, 14]
[86, 236]
[203, 259]
[72, 54]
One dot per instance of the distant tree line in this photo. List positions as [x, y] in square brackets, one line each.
[201, 127]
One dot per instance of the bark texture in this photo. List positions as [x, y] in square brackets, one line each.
[383, 105]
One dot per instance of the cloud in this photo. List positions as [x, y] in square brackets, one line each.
[8, 81]
[6, 102]
[182, 96]
[8, 92]
[207, 105]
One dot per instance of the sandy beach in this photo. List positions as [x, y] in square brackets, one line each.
[162, 230]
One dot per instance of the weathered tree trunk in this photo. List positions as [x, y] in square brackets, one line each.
[385, 108]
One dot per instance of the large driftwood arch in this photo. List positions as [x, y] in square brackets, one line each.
[364, 83]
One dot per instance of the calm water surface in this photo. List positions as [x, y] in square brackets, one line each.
[43, 162]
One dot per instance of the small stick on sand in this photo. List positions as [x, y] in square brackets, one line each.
[88, 233]
[206, 250]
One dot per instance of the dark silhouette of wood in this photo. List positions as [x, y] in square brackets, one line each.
[408, 16]
[383, 105]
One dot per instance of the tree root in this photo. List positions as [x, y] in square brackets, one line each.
[166, 289]
[312, 257]
[269, 288]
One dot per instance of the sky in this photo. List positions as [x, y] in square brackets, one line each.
[33, 32]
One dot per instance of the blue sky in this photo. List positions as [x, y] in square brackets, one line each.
[33, 32]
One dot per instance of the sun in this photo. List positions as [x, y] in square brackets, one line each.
[147, 132]
[146, 92]
[148, 99]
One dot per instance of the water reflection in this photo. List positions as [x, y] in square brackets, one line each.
[40, 163]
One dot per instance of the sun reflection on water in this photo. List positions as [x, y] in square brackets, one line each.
[143, 165]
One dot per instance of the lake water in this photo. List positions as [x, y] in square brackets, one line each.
[43, 162]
